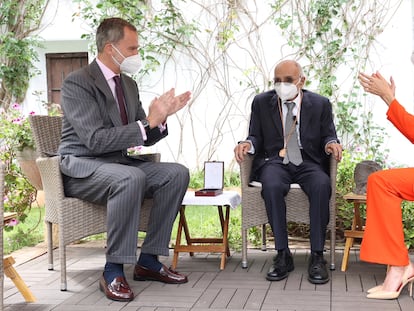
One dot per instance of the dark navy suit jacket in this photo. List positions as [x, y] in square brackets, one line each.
[316, 128]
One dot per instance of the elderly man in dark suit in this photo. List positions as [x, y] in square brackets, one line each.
[291, 134]
[102, 117]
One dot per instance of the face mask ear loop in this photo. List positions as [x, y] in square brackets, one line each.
[119, 52]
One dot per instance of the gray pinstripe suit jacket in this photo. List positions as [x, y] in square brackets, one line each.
[92, 131]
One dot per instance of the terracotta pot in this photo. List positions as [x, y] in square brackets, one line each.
[27, 162]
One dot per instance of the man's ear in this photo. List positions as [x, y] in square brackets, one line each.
[108, 49]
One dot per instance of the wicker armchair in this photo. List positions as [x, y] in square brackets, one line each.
[297, 207]
[2, 173]
[76, 218]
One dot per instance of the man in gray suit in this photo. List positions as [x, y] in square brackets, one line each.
[100, 121]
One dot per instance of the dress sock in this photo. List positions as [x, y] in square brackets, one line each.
[113, 270]
[150, 262]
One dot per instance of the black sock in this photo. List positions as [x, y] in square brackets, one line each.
[287, 250]
[149, 261]
[113, 270]
[319, 253]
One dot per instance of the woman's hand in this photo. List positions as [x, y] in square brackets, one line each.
[377, 85]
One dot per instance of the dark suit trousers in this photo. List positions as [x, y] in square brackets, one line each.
[276, 178]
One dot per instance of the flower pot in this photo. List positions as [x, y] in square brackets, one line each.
[27, 162]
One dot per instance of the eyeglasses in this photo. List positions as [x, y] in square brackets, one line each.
[286, 80]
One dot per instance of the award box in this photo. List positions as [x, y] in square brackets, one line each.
[213, 179]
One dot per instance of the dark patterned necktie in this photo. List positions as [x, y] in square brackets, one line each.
[293, 153]
[120, 97]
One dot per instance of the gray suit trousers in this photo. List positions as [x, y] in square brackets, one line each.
[121, 188]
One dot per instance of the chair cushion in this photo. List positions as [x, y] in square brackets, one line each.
[258, 184]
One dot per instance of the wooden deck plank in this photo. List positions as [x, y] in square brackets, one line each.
[209, 288]
[223, 298]
[255, 300]
[239, 298]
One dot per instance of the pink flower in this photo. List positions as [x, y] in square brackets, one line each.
[18, 121]
[16, 106]
[11, 223]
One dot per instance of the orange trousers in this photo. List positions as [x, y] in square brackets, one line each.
[383, 240]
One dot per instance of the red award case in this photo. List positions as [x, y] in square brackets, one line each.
[213, 179]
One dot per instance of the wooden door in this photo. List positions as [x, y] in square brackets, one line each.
[58, 66]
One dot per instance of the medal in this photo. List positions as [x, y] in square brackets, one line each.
[282, 153]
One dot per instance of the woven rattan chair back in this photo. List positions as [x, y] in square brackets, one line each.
[73, 218]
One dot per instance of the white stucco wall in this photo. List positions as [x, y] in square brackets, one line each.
[391, 57]
[60, 34]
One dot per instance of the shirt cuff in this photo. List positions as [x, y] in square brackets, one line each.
[143, 132]
[251, 150]
[162, 128]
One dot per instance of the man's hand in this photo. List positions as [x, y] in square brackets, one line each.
[335, 149]
[165, 105]
[241, 150]
[179, 102]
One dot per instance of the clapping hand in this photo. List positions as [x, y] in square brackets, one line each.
[377, 85]
[166, 105]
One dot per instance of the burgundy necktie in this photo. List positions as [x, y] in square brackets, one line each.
[120, 96]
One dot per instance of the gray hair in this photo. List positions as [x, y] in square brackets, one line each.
[111, 30]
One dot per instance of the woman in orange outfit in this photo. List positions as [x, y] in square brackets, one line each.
[383, 241]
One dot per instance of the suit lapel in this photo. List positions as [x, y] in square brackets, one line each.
[130, 97]
[109, 101]
[275, 113]
[305, 114]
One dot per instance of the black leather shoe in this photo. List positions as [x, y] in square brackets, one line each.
[282, 265]
[317, 270]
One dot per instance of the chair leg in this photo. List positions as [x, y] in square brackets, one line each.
[264, 242]
[244, 248]
[50, 245]
[62, 255]
[333, 243]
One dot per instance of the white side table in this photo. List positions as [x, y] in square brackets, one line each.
[206, 245]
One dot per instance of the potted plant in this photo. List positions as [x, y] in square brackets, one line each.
[15, 136]
[17, 143]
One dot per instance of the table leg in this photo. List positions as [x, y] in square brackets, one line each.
[225, 230]
[178, 238]
[348, 244]
[11, 273]
[183, 221]
[209, 244]
[355, 232]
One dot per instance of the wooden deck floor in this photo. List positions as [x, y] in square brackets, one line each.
[209, 288]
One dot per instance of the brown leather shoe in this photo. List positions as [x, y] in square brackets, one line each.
[118, 289]
[165, 275]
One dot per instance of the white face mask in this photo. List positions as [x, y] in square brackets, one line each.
[130, 64]
[286, 90]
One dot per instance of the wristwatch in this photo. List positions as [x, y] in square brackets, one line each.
[145, 124]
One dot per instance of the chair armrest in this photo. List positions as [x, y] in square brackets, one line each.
[52, 181]
[333, 170]
[148, 157]
[245, 170]
[153, 157]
